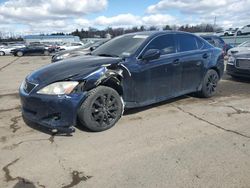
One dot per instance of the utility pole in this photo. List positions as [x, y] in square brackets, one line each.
[214, 22]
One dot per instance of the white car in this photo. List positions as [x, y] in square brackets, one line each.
[243, 47]
[244, 30]
[5, 50]
[71, 46]
[228, 32]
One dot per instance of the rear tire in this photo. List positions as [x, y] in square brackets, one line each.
[19, 54]
[2, 53]
[101, 110]
[209, 84]
[239, 33]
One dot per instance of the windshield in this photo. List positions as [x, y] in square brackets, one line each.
[124, 45]
[245, 44]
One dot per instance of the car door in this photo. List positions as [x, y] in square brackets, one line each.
[155, 80]
[29, 50]
[38, 50]
[192, 59]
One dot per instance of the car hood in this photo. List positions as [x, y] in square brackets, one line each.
[239, 49]
[69, 51]
[78, 66]
[242, 55]
[77, 52]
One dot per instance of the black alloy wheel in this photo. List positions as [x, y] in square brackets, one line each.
[101, 110]
[209, 84]
[105, 109]
[212, 83]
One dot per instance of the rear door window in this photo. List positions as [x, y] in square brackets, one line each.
[186, 42]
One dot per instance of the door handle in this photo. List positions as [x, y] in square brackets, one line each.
[176, 62]
[205, 56]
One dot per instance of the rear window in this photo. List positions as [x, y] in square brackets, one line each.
[210, 40]
[186, 42]
[220, 40]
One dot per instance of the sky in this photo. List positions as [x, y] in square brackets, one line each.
[47, 16]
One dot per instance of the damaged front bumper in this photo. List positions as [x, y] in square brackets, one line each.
[56, 112]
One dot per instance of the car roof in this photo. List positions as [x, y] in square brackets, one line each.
[156, 33]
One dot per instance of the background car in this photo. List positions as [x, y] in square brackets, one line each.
[132, 70]
[6, 50]
[70, 46]
[244, 30]
[217, 42]
[32, 50]
[244, 47]
[238, 64]
[228, 32]
[87, 48]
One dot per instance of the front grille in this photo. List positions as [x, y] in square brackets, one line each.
[28, 86]
[243, 63]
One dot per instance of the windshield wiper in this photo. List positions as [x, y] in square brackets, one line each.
[107, 55]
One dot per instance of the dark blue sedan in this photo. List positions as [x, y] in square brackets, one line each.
[129, 71]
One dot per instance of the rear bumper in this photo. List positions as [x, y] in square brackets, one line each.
[232, 70]
[54, 112]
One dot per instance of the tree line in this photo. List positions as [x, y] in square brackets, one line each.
[92, 32]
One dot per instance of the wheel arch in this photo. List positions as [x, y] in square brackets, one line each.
[3, 52]
[104, 77]
[114, 83]
[216, 69]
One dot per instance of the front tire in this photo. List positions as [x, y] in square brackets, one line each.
[2, 53]
[19, 54]
[101, 110]
[209, 84]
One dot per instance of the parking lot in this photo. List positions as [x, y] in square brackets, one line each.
[185, 142]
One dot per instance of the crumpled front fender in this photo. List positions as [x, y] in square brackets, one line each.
[102, 75]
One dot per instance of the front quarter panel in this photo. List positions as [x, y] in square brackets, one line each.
[100, 76]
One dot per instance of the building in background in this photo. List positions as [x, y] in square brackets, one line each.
[50, 39]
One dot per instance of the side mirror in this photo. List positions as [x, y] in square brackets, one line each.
[151, 54]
